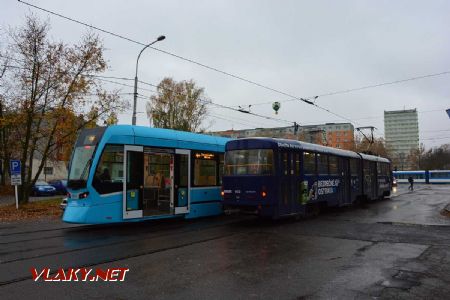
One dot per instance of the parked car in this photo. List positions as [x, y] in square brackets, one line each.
[60, 186]
[42, 188]
[63, 204]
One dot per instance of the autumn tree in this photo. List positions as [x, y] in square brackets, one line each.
[376, 147]
[177, 105]
[437, 158]
[415, 157]
[5, 151]
[49, 85]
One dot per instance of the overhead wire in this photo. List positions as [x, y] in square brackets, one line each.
[293, 98]
[208, 102]
[104, 78]
[226, 119]
[308, 101]
[361, 88]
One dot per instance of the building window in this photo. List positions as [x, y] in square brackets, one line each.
[48, 170]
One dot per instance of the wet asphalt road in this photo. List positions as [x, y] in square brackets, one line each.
[395, 248]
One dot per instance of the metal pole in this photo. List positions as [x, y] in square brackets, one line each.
[17, 196]
[133, 120]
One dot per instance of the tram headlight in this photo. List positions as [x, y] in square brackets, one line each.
[83, 195]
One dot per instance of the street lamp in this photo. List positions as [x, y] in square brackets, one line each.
[160, 38]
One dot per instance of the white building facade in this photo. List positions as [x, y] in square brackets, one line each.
[401, 131]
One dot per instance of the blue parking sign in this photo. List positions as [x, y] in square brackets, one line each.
[14, 166]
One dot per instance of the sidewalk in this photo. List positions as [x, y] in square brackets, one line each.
[6, 200]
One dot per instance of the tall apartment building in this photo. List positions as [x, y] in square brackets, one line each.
[401, 131]
[338, 135]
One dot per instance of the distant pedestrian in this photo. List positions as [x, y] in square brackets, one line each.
[411, 183]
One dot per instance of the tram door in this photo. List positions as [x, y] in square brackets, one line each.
[182, 181]
[288, 196]
[133, 184]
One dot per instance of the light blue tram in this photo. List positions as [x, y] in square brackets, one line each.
[439, 176]
[418, 176]
[422, 176]
[128, 173]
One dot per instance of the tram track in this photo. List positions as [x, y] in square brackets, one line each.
[66, 230]
[137, 238]
[90, 228]
[143, 237]
[23, 278]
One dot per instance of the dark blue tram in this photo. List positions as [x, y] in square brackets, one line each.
[279, 177]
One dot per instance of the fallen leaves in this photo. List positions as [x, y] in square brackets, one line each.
[31, 211]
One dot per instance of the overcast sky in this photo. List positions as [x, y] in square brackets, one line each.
[303, 48]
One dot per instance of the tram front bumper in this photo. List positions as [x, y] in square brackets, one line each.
[75, 214]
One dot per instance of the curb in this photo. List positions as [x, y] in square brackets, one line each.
[407, 192]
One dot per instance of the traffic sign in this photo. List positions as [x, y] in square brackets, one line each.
[14, 166]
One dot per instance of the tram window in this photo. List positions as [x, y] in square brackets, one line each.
[366, 168]
[384, 169]
[285, 163]
[309, 163]
[442, 174]
[322, 164]
[183, 170]
[354, 167]
[334, 169]
[108, 176]
[297, 158]
[205, 169]
[250, 162]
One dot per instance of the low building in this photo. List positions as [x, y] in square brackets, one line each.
[337, 135]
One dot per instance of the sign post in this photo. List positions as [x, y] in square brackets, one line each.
[16, 179]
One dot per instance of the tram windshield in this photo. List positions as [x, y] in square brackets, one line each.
[82, 157]
[249, 162]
